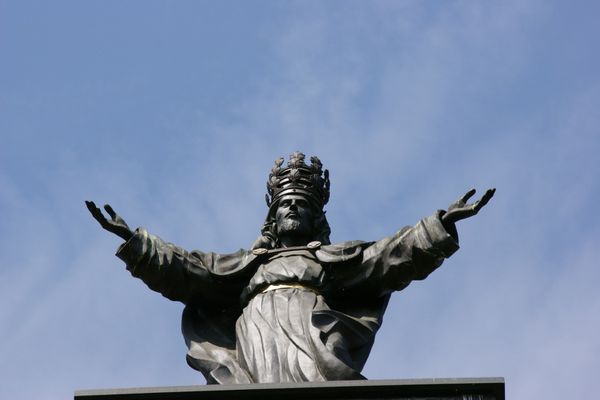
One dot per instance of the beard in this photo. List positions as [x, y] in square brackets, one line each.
[293, 227]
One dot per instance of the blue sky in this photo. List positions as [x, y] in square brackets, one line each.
[174, 112]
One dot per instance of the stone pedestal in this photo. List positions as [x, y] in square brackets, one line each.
[413, 389]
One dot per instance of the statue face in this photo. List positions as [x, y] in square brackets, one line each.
[294, 216]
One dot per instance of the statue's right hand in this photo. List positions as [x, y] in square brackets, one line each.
[115, 224]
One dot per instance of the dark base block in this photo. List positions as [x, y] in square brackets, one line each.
[404, 389]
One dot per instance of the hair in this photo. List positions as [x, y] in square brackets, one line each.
[269, 239]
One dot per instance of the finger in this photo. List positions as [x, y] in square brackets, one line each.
[467, 195]
[96, 212]
[92, 207]
[110, 211]
[489, 194]
[484, 199]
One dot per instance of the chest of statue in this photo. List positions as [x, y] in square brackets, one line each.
[297, 267]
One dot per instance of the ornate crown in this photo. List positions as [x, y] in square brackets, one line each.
[298, 178]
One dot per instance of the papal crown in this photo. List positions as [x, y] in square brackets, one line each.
[298, 178]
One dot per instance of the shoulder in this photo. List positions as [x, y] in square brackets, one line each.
[341, 252]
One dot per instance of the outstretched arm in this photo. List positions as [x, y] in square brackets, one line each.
[115, 224]
[172, 271]
[390, 264]
[461, 210]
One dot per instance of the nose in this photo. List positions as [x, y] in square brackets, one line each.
[294, 205]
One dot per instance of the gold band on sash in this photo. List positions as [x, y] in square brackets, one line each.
[289, 286]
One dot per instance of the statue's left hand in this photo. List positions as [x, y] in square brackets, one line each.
[461, 210]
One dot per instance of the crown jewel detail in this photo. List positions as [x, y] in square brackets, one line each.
[298, 178]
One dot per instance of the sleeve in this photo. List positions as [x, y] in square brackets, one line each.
[178, 274]
[390, 264]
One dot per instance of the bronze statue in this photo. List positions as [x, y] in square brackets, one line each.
[294, 307]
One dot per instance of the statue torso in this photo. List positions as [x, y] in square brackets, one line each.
[292, 267]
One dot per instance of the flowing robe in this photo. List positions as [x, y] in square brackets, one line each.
[287, 315]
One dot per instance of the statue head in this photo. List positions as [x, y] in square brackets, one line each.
[294, 216]
[296, 196]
